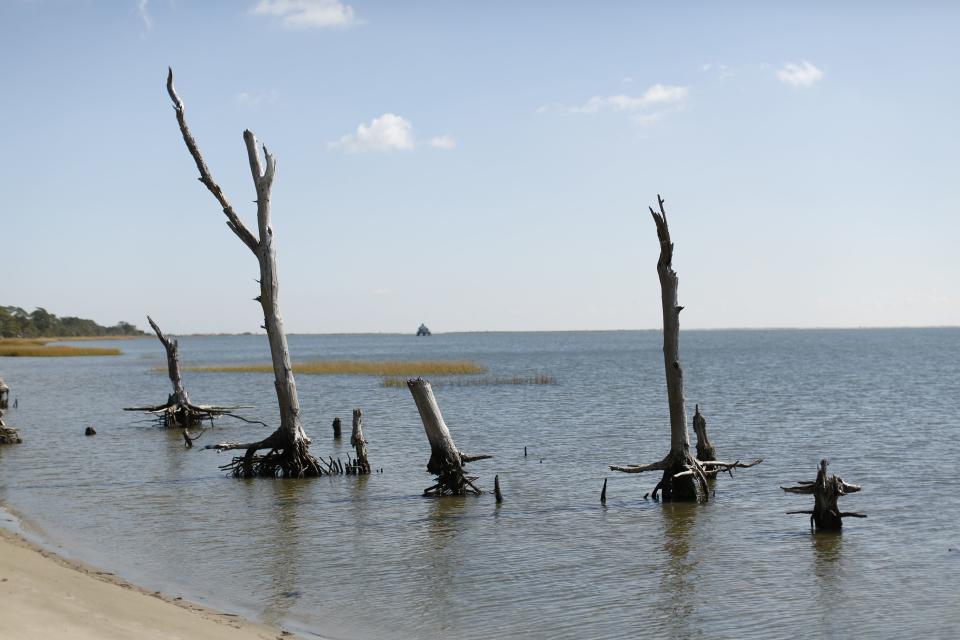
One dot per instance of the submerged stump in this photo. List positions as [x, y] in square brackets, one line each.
[826, 490]
[446, 461]
[8, 435]
[360, 465]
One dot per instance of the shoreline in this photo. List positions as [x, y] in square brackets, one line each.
[44, 595]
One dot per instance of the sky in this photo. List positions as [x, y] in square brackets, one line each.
[485, 165]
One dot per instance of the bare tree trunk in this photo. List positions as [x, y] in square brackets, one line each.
[360, 465]
[705, 450]
[446, 461]
[288, 445]
[826, 514]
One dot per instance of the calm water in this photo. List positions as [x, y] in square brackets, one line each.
[368, 557]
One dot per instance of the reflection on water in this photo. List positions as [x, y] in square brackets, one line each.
[368, 556]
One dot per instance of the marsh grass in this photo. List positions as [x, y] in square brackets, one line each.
[486, 381]
[39, 347]
[394, 368]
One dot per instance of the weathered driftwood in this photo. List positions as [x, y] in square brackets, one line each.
[8, 435]
[288, 447]
[446, 461]
[684, 477]
[826, 491]
[360, 465]
[178, 411]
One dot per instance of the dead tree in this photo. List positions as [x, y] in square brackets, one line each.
[287, 448]
[705, 450]
[446, 461]
[8, 435]
[684, 477]
[178, 410]
[826, 491]
[360, 465]
[4, 395]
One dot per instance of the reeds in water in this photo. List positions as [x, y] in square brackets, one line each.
[39, 347]
[395, 368]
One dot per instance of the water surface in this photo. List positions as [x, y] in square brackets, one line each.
[368, 557]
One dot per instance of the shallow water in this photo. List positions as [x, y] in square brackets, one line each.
[349, 557]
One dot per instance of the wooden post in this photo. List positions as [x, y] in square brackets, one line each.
[289, 456]
[446, 461]
[826, 515]
[496, 489]
[336, 428]
[361, 465]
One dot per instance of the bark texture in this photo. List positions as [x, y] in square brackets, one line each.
[360, 465]
[446, 461]
[826, 490]
[288, 454]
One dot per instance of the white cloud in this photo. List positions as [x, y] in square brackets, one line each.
[445, 142]
[388, 132]
[658, 94]
[800, 75]
[299, 14]
[254, 100]
[144, 14]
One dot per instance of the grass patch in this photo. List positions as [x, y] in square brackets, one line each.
[393, 368]
[56, 351]
[486, 381]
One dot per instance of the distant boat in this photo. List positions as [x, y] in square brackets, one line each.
[423, 331]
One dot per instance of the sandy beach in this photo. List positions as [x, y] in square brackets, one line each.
[43, 595]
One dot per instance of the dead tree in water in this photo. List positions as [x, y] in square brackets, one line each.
[360, 465]
[178, 410]
[446, 461]
[705, 450]
[826, 491]
[683, 474]
[288, 453]
[8, 435]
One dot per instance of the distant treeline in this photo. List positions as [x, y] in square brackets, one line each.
[40, 323]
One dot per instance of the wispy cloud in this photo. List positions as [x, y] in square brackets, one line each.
[388, 132]
[445, 142]
[254, 100]
[719, 69]
[657, 95]
[802, 75]
[305, 14]
[144, 14]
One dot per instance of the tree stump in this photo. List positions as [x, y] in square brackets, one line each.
[336, 428]
[8, 435]
[359, 466]
[826, 515]
[446, 461]
[705, 450]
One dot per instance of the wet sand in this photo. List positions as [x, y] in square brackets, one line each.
[43, 595]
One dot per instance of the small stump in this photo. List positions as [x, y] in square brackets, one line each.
[826, 490]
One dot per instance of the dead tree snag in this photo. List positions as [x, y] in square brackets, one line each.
[288, 453]
[684, 477]
[446, 461]
[8, 435]
[705, 450]
[360, 465]
[178, 410]
[826, 491]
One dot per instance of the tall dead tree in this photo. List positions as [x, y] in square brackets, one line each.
[287, 448]
[684, 477]
[446, 461]
[826, 491]
[178, 411]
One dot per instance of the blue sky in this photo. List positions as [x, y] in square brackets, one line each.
[485, 165]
